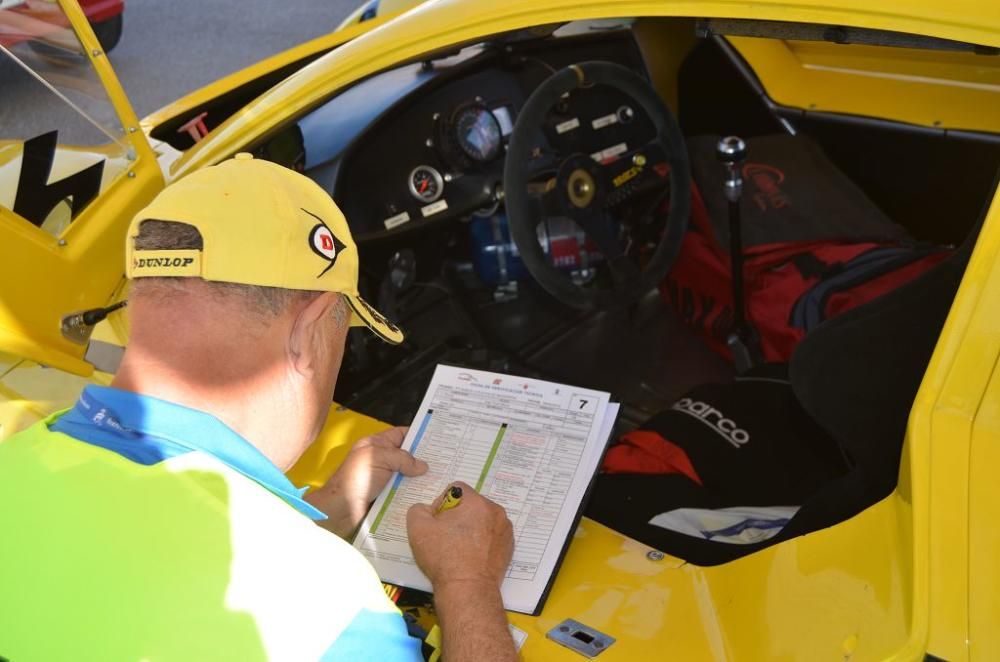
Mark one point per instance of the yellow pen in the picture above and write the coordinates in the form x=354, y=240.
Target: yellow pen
x=452, y=498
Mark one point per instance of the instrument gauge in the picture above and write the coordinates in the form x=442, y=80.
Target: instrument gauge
x=426, y=184
x=478, y=133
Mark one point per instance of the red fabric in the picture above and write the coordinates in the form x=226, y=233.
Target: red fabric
x=645, y=452
x=699, y=285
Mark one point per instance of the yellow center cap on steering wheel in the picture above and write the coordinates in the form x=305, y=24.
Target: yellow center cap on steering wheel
x=581, y=188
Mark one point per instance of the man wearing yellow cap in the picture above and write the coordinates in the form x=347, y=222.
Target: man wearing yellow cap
x=153, y=520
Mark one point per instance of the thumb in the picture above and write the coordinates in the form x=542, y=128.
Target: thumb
x=418, y=512
x=405, y=463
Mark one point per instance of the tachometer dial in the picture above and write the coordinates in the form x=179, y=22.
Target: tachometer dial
x=478, y=133
x=426, y=183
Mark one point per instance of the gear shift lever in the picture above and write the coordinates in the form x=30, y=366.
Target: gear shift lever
x=743, y=341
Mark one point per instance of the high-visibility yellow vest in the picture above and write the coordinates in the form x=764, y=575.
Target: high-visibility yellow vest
x=106, y=555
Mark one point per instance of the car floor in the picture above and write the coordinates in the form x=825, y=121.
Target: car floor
x=642, y=355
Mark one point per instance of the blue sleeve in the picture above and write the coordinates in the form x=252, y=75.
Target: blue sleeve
x=377, y=636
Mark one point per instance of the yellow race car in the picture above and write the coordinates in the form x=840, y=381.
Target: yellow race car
x=479, y=150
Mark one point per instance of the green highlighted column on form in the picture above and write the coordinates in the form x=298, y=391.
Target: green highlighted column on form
x=491, y=456
x=399, y=477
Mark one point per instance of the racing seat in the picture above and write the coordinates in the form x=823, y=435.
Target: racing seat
x=854, y=378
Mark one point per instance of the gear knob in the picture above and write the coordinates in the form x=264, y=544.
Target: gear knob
x=732, y=151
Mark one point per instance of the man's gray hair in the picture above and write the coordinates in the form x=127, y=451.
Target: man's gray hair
x=157, y=235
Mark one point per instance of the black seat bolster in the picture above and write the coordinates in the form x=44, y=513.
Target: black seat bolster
x=857, y=374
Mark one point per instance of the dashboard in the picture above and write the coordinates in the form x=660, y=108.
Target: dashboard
x=425, y=144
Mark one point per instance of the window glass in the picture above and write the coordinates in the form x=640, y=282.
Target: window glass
x=61, y=141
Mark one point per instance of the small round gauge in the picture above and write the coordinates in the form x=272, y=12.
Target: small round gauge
x=426, y=183
x=478, y=133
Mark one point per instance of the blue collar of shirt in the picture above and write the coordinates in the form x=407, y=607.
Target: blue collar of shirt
x=148, y=430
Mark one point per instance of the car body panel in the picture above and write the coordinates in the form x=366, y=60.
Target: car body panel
x=28, y=393
x=935, y=473
x=67, y=160
x=984, y=534
x=890, y=83
x=79, y=268
x=436, y=25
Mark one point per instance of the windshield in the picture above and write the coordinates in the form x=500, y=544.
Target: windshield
x=61, y=141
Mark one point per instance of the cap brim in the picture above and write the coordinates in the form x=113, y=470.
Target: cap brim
x=366, y=315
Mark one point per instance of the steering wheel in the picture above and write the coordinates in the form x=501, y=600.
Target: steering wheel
x=542, y=183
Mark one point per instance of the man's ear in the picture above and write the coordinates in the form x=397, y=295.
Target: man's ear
x=307, y=337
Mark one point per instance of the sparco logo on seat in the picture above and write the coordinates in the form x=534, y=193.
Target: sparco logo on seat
x=144, y=262
x=714, y=419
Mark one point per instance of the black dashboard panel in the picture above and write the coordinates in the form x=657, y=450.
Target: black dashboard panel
x=378, y=185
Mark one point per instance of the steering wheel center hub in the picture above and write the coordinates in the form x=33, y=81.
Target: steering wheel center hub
x=581, y=188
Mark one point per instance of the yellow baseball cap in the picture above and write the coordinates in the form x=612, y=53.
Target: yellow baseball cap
x=261, y=224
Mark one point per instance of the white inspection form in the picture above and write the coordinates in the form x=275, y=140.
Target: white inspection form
x=529, y=445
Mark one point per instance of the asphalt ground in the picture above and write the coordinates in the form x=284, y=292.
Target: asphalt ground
x=167, y=49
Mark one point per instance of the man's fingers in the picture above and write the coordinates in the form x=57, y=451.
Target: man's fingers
x=420, y=509
x=393, y=437
x=438, y=500
x=363, y=442
x=418, y=512
x=401, y=461
x=411, y=466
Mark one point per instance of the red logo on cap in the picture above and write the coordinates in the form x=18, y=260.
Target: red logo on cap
x=322, y=240
x=324, y=243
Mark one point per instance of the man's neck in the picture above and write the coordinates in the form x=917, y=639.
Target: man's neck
x=255, y=408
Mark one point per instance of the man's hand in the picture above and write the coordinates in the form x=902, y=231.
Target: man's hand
x=471, y=543
x=465, y=552
x=371, y=463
